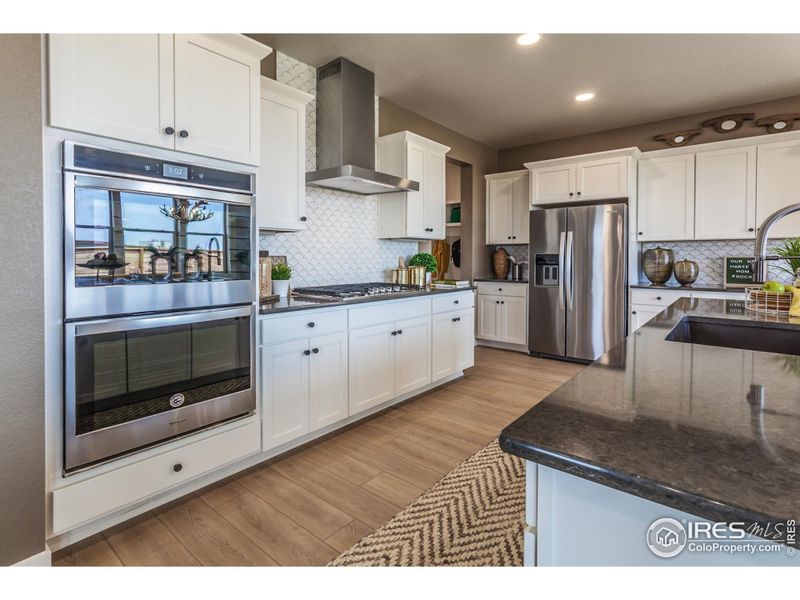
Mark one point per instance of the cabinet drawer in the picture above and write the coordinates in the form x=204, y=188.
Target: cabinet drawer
x=493, y=288
x=657, y=297
x=386, y=312
x=455, y=301
x=300, y=325
x=92, y=498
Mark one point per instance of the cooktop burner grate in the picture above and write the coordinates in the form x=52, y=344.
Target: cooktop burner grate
x=353, y=290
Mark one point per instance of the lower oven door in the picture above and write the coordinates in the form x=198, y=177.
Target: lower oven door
x=138, y=381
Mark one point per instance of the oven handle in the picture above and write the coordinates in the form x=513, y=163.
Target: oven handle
x=150, y=321
x=163, y=189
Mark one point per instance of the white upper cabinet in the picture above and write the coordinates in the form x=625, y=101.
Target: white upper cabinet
x=725, y=194
x=507, y=208
x=412, y=215
x=193, y=93
x=599, y=176
x=117, y=86
x=666, y=198
x=217, y=92
x=778, y=185
x=281, y=189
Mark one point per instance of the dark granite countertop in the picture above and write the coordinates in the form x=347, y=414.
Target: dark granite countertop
x=496, y=280
x=292, y=304
x=696, y=288
x=708, y=430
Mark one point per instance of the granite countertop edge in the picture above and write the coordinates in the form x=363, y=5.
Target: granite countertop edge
x=690, y=288
x=497, y=280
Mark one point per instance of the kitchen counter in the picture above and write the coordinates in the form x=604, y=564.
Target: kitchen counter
x=695, y=288
x=496, y=280
x=292, y=304
x=707, y=430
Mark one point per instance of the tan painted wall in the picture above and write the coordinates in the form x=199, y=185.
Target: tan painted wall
x=22, y=495
x=483, y=159
x=510, y=159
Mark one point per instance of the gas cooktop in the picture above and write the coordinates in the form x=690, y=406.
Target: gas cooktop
x=352, y=291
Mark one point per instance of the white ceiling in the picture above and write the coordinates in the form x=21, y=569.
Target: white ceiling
x=495, y=91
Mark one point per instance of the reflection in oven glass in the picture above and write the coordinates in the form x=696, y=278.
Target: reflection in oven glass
x=124, y=238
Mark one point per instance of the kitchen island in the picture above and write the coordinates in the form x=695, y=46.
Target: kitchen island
x=658, y=428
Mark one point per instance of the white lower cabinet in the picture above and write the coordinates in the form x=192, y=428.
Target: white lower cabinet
x=489, y=325
x=328, y=380
x=412, y=355
x=514, y=318
x=503, y=313
x=452, y=343
x=641, y=314
x=372, y=369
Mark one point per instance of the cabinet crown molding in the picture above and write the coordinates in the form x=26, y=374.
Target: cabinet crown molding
x=410, y=136
x=632, y=151
x=272, y=90
x=507, y=174
x=242, y=43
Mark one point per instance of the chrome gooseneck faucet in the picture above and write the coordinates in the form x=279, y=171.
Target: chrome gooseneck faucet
x=760, y=268
x=212, y=242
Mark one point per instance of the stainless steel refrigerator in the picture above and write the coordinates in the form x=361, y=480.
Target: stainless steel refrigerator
x=578, y=280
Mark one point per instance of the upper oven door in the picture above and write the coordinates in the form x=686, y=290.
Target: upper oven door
x=138, y=246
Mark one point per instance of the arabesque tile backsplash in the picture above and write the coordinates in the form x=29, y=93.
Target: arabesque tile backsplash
x=341, y=242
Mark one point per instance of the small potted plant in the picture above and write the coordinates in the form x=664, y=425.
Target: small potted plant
x=427, y=260
x=281, y=273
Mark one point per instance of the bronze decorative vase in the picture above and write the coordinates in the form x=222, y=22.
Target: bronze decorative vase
x=501, y=263
x=657, y=265
x=686, y=272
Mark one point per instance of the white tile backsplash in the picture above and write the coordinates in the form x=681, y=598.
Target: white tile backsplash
x=341, y=242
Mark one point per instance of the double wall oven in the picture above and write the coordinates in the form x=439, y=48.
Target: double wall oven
x=158, y=301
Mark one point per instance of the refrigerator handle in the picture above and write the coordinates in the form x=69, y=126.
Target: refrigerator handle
x=561, y=247
x=568, y=270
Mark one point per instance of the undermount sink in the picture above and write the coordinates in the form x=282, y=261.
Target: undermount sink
x=744, y=335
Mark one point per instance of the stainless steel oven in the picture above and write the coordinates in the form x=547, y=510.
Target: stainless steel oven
x=144, y=234
x=137, y=381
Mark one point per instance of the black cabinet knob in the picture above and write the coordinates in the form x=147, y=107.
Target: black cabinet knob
x=312, y=324
x=513, y=237
x=658, y=297
x=640, y=233
x=509, y=237
x=183, y=133
x=315, y=350
x=633, y=312
x=399, y=332
x=304, y=219
x=394, y=333
x=177, y=467
x=307, y=352
x=169, y=130
x=579, y=193
x=570, y=194
x=456, y=320
x=497, y=301
x=750, y=229
x=499, y=289
x=455, y=301
x=502, y=302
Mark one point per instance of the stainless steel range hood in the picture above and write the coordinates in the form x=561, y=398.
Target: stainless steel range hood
x=346, y=133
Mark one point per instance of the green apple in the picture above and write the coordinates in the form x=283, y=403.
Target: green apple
x=773, y=286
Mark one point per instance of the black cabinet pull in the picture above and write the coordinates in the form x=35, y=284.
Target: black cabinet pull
x=456, y=320
x=750, y=229
x=315, y=350
x=183, y=133
x=394, y=333
x=311, y=324
x=640, y=233
x=399, y=332
x=169, y=130
x=304, y=219
x=455, y=301
x=658, y=297
x=307, y=352
x=177, y=467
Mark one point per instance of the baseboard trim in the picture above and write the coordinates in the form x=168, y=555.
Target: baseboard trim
x=43, y=559
x=108, y=520
x=502, y=345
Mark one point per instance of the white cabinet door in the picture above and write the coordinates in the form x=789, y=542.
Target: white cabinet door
x=371, y=367
x=412, y=354
x=281, y=191
x=725, y=194
x=550, y=185
x=217, y=108
x=602, y=179
x=489, y=317
x=415, y=201
x=777, y=185
x=434, y=195
x=520, y=213
x=443, y=357
x=641, y=314
x=117, y=86
x=666, y=198
x=499, y=209
x=514, y=320
x=463, y=339
x=284, y=392
x=328, y=380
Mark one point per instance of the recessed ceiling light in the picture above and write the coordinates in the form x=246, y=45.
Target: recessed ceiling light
x=526, y=39
x=586, y=96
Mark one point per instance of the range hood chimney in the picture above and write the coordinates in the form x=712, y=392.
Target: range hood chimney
x=346, y=133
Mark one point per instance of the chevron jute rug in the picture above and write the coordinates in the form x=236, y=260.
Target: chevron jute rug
x=473, y=517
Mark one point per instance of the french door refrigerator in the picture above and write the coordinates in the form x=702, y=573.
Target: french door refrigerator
x=578, y=283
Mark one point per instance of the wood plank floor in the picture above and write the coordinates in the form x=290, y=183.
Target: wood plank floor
x=306, y=508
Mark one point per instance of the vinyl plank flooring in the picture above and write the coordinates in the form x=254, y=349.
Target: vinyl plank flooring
x=276, y=534
x=348, y=535
x=209, y=537
x=222, y=492
x=347, y=467
x=394, y=490
x=94, y=551
x=146, y=542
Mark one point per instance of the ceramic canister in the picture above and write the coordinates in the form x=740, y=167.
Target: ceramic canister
x=686, y=272
x=657, y=265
